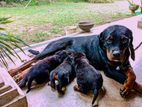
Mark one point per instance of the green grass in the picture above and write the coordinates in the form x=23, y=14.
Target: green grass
x=38, y=23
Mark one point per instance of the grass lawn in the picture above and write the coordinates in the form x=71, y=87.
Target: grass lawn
x=39, y=23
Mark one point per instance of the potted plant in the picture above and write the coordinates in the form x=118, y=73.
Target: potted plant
x=141, y=6
x=132, y=6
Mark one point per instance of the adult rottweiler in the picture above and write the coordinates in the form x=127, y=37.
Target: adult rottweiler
x=109, y=51
x=88, y=78
x=41, y=70
x=64, y=74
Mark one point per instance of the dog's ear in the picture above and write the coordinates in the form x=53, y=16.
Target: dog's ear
x=101, y=39
x=131, y=47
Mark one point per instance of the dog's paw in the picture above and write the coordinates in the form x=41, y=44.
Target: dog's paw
x=124, y=92
x=49, y=83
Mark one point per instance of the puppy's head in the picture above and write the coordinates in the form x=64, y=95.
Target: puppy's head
x=62, y=54
x=77, y=56
x=117, y=41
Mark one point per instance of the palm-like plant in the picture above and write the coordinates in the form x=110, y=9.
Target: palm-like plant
x=7, y=45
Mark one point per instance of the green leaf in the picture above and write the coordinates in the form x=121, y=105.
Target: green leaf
x=5, y=20
x=4, y=62
x=7, y=44
x=8, y=56
x=2, y=28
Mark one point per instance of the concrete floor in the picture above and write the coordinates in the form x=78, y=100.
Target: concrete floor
x=43, y=96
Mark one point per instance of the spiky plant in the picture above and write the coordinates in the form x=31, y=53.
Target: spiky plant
x=7, y=45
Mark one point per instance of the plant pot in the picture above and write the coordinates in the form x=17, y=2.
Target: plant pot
x=85, y=26
x=133, y=8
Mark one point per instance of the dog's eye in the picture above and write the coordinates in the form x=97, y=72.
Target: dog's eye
x=110, y=39
x=124, y=40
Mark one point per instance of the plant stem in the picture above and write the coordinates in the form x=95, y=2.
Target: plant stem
x=141, y=6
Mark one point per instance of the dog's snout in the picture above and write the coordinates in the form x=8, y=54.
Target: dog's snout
x=116, y=53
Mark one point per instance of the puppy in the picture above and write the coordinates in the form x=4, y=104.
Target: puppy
x=88, y=78
x=41, y=70
x=64, y=74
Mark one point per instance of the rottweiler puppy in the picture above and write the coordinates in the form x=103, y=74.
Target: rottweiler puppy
x=41, y=70
x=64, y=74
x=88, y=78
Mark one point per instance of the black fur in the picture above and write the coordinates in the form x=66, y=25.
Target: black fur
x=95, y=50
x=88, y=78
x=65, y=74
x=41, y=70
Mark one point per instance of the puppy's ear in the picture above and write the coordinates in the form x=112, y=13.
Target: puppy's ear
x=131, y=47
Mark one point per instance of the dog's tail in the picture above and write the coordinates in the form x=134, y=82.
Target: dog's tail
x=95, y=92
x=138, y=88
x=34, y=52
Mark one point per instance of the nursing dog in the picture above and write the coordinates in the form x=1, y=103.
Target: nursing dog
x=41, y=70
x=88, y=78
x=64, y=74
x=109, y=51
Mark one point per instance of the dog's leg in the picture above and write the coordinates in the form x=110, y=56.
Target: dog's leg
x=51, y=48
x=29, y=84
x=53, y=77
x=52, y=84
x=120, y=77
x=59, y=88
x=128, y=85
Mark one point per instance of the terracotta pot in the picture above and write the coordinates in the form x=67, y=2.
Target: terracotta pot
x=85, y=25
x=133, y=8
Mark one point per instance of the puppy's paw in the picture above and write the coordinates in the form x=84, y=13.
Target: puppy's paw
x=63, y=89
x=49, y=83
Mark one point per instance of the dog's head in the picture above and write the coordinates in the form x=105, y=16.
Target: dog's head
x=61, y=55
x=77, y=56
x=116, y=41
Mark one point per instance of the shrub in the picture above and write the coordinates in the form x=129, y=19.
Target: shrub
x=100, y=1
x=9, y=1
x=73, y=0
x=7, y=45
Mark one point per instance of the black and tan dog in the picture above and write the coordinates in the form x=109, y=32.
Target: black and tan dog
x=88, y=78
x=109, y=51
x=40, y=71
x=64, y=74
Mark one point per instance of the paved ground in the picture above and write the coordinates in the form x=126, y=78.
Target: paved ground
x=43, y=96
